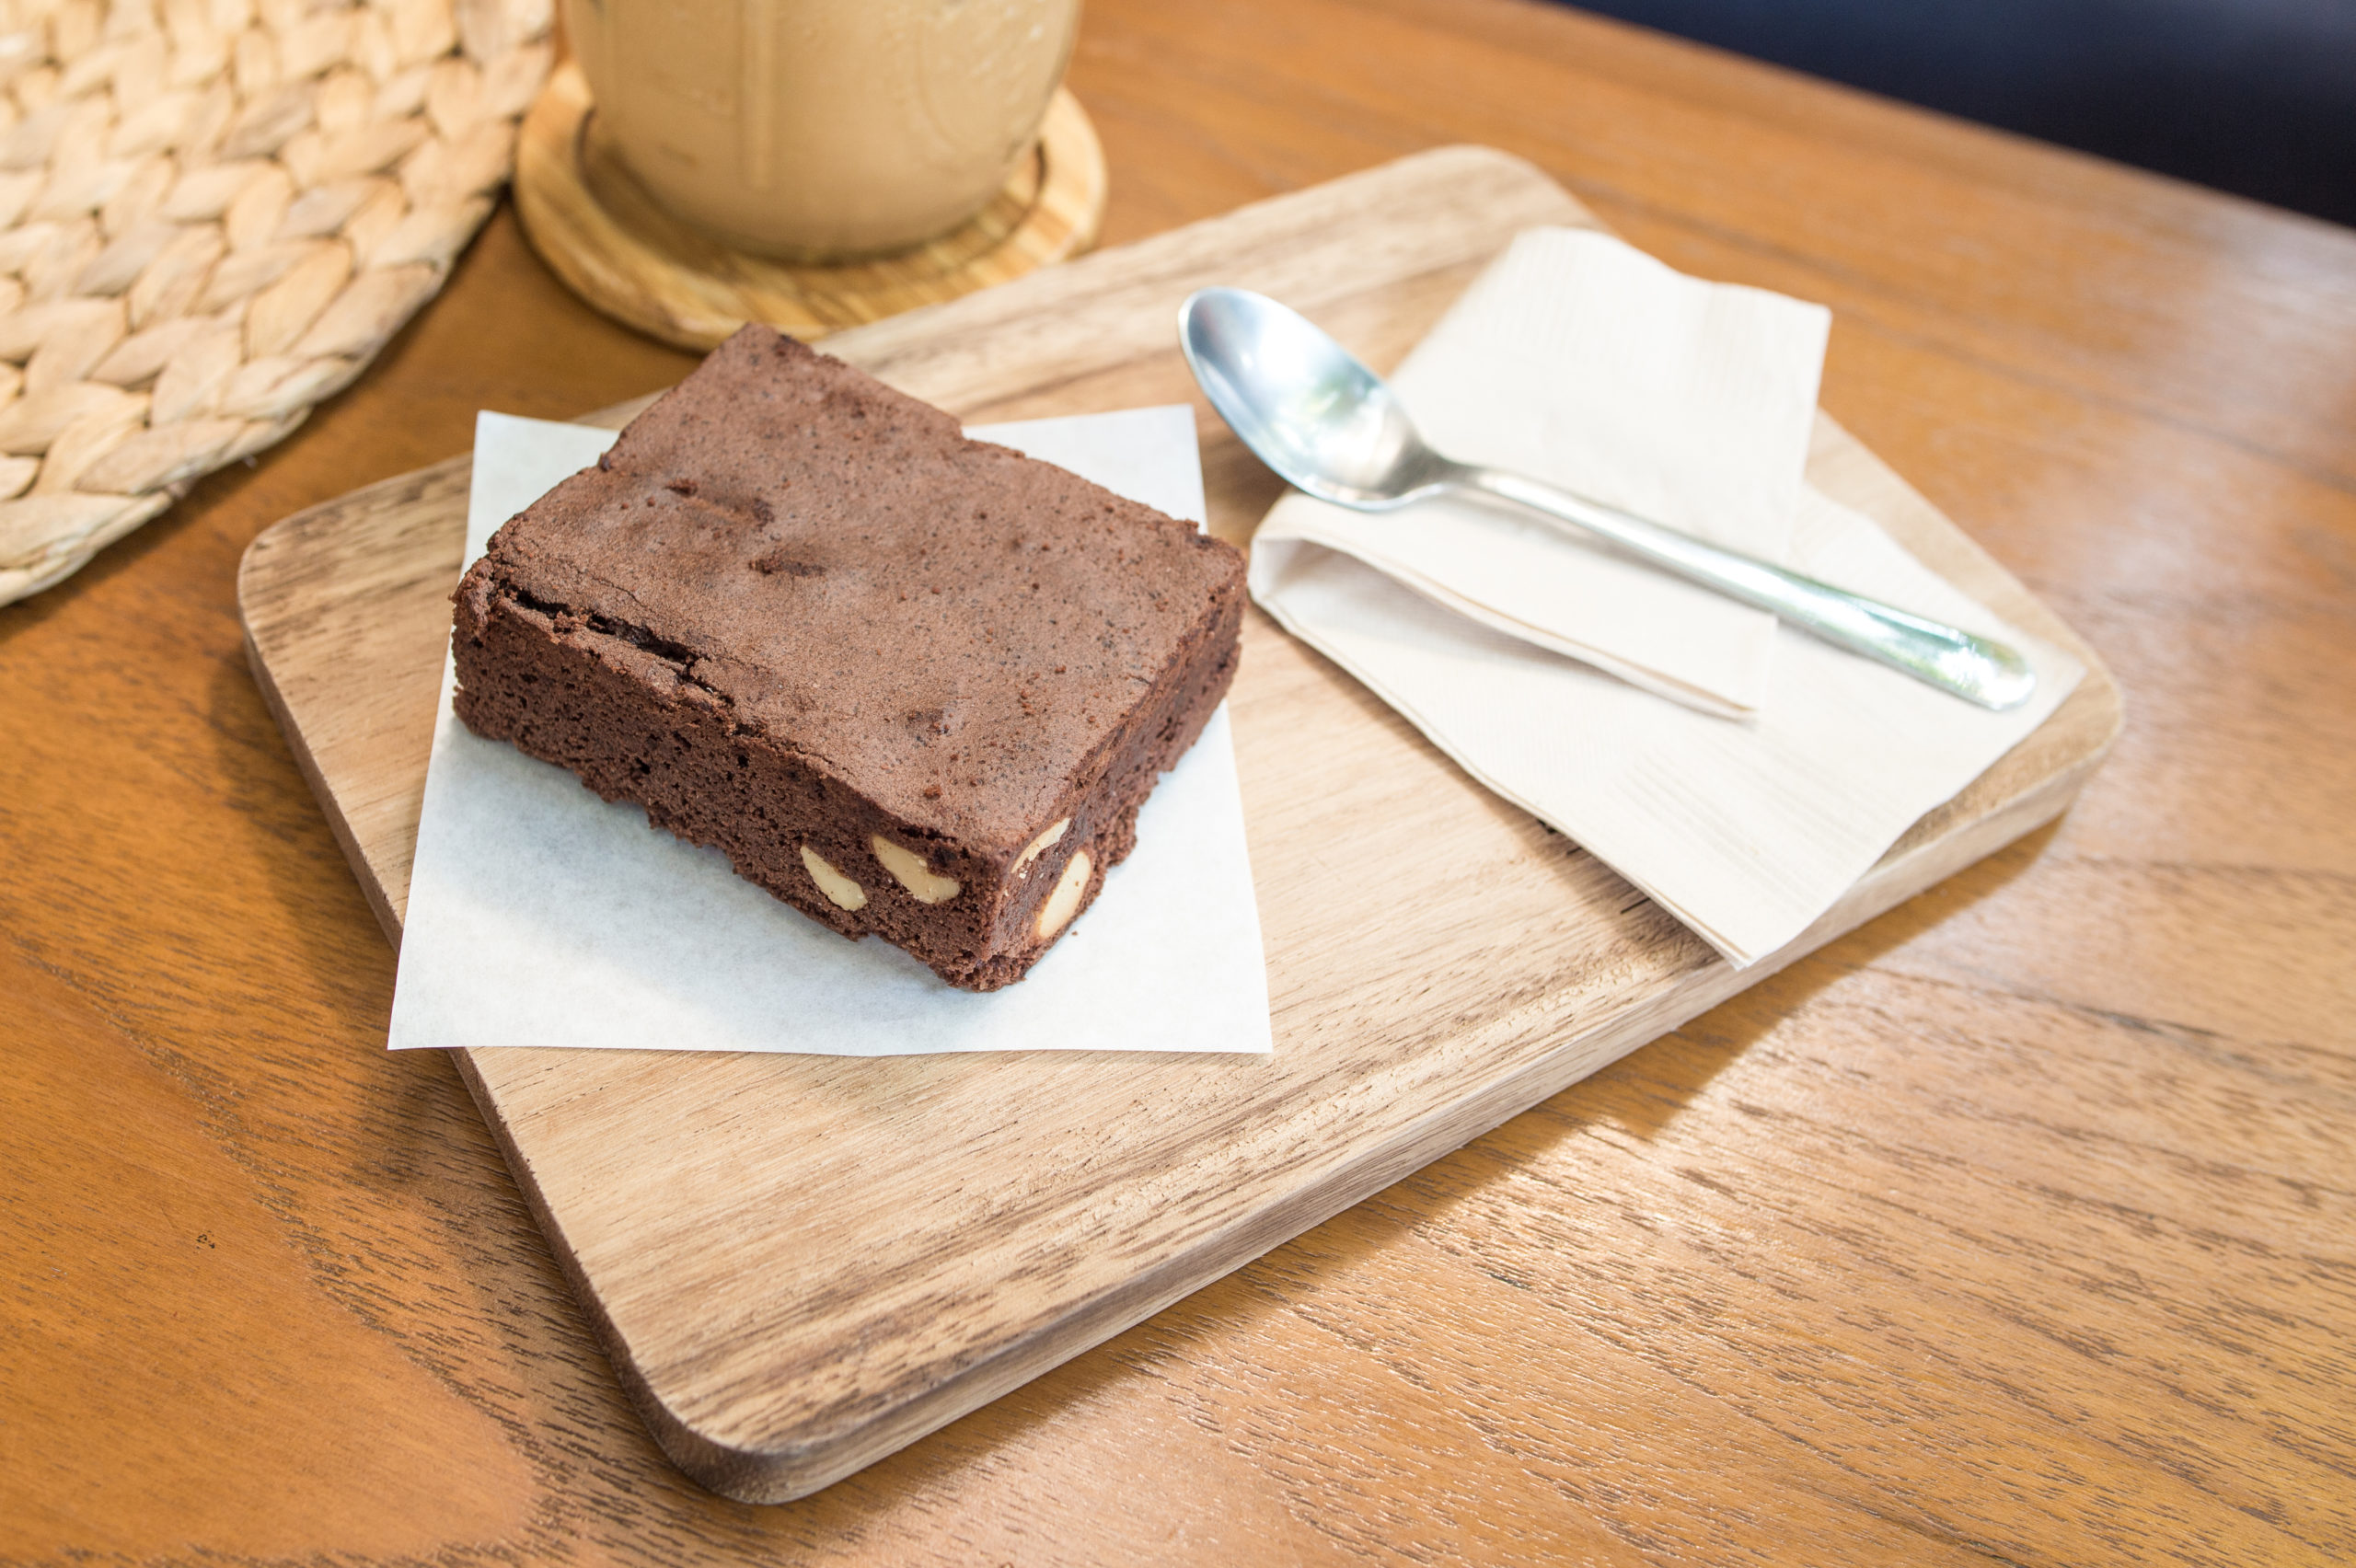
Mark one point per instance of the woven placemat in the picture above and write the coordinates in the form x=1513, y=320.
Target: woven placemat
x=213, y=214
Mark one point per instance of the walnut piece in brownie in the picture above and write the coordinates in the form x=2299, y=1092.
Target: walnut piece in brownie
x=911, y=684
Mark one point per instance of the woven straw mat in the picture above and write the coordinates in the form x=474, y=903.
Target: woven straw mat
x=212, y=214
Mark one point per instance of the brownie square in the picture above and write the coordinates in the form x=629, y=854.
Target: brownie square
x=912, y=685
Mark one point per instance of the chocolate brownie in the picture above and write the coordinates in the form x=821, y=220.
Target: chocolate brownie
x=913, y=685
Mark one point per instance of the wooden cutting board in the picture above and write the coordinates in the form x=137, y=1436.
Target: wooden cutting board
x=799, y=1265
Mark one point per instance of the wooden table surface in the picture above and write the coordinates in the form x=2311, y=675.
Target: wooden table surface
x=2016, y=1225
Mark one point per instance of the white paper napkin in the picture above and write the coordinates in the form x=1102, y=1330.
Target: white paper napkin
x=540, y=915
x=1745, y=830
x=1581, y=361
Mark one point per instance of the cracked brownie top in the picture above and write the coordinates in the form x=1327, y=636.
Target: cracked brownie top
x=949, y=625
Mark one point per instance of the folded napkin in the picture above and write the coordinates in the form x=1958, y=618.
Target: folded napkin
x=1746, y=829
x=1578, y=360
x=540, y=915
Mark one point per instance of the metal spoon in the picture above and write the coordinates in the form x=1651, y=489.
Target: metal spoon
x=1331, y=427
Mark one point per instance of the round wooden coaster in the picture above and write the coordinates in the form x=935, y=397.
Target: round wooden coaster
x=600, y=231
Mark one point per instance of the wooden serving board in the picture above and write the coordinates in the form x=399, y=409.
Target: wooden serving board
x=799, y=1265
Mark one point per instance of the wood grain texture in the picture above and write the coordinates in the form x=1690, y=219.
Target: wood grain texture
x=798, y=1265
x=600, y=231
x=2014, y=1225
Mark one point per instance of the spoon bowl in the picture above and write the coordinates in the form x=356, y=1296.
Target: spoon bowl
x=1304, y=405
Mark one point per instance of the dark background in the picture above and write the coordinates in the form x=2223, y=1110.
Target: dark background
x=2253, y=96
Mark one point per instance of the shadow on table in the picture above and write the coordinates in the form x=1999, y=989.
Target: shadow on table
x=1642, y=1094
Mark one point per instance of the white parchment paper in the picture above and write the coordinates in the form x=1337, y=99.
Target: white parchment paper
x=540, y=915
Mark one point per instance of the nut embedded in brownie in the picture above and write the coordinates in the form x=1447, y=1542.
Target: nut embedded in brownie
x=911, y=684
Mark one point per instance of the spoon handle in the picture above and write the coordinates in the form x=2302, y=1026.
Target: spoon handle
x=1975, y=668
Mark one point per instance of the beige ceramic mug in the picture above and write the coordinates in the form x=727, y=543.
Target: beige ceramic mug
x=821, y=128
